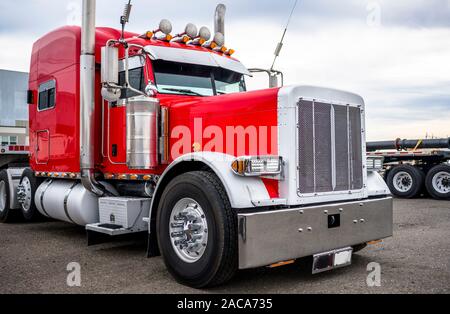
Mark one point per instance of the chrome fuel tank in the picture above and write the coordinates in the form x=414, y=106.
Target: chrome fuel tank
x=68, y=201
x=142, y=132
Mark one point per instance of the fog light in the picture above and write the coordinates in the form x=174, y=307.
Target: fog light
x=257, y=166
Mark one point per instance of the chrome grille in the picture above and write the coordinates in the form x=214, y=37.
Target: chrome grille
x=330, y=148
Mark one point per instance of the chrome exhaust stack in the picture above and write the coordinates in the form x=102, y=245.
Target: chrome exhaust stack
x=87, y=100
x=219, y=19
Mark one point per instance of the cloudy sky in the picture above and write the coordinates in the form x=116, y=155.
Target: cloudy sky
x=396, y=54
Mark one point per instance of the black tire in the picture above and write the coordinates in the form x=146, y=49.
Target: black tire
x=434, y=191
x=31, y=214
x=6, y=214
x=219, y=262
x=415, y=182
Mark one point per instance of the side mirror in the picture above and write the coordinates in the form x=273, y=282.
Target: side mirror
x=273, y=80
x=110, y=66
x=110, y=74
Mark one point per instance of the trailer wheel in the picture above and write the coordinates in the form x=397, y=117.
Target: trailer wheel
x=197, y=231
x=438, y=182
x=405, y=181
x=27, y=189
x=5, y=210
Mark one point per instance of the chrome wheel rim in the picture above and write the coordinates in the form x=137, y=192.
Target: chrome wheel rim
x=188, y=230
x=2, y=196
x=441, y=182
x=403, y=181
x=24, y=194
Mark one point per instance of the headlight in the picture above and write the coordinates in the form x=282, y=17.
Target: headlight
x=375, y=163
x=253, y=166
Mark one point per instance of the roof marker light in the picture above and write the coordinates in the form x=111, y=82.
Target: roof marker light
x=217, y=42
x=190, y=32
x=165, y=27
x=219, y=39
x=204, y=35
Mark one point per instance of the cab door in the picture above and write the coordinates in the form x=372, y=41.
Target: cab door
x=46, y=102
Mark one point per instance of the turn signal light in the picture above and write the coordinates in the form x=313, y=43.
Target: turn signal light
x=257, y=166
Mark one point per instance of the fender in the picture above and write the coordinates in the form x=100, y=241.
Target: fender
x=243, y=192
x=376, y=185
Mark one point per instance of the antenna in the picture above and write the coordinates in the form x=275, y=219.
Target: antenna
x=280, y=44
x=125, y=18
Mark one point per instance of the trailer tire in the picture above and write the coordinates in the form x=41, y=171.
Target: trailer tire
x=405, y=181
x=198, y=199
x=438, y=182
x=6, y=214
x=31, y=184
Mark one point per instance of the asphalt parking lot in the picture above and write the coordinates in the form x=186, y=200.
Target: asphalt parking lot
x=34, y=258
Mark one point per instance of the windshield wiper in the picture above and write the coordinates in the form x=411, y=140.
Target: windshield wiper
x=183, y=91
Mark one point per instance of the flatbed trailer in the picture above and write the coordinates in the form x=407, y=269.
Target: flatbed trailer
x=415, y=167
x=13, y=154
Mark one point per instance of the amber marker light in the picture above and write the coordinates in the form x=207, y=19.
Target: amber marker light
x=109, y=176
x=149, y=35
x=282, y=264
x=230, y=52
x=147, y=177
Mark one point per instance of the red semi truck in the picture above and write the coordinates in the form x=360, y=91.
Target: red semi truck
x=156, y=133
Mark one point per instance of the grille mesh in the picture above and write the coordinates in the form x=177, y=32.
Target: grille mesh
x=330, y=148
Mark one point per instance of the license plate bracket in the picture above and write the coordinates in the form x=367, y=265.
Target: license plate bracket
x=331, y=260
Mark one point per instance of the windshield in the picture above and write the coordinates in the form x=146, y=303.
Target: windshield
x=196, y=80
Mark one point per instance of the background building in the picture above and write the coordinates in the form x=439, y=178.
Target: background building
x=13, y=108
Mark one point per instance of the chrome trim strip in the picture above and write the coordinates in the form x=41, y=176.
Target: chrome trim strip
x=66, y=198
x=333, y=147
x=48, y=183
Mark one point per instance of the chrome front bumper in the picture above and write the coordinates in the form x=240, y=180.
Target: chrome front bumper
x=270, y=237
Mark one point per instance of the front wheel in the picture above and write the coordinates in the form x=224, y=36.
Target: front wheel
x=438, y=182
x=197, y=230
